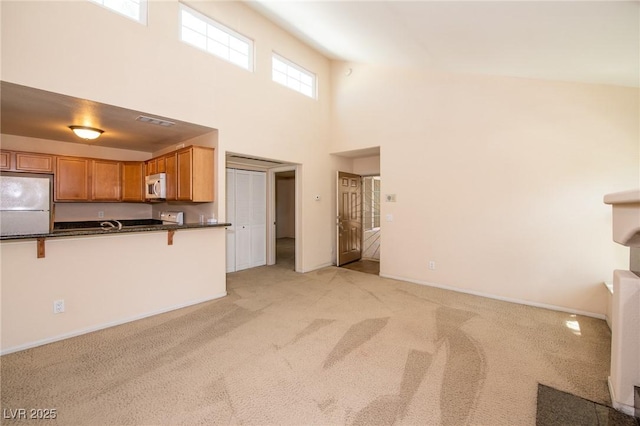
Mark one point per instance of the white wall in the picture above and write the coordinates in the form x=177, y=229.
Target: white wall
x=146, y=68
x=79, y=49
x=498, y=180
x=367, y=166
x=104, y=280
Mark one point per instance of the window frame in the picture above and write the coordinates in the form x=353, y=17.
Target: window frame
x=221, y=27
x=290, y=64
x=144, y=8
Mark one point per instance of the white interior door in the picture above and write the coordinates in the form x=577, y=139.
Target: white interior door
x=249, y=230
x=258, y=219
x=231, y=218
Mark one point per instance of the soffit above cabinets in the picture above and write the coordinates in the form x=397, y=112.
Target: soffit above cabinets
x=26, y=111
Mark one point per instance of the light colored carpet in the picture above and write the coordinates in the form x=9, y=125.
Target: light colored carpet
x=330, y=347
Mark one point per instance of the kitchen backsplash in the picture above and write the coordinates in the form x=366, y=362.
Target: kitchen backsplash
x=65, y=212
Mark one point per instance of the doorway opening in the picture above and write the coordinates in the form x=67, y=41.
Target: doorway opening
x=369, y=211
x=258, y=177
x=285, y=219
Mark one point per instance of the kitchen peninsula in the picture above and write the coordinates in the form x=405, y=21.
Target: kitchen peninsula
x=106, y=278
x=88, y=279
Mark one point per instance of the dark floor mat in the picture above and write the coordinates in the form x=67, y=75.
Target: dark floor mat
x=561, y=408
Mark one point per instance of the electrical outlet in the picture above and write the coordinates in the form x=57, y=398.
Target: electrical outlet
x=101, y=214
x=432, y=265
x=58, y=306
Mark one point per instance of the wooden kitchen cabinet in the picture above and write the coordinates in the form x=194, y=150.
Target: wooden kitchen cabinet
x=133, y=174
x=72, y=179
x=171, y=169
x=5, y=160
x=195, y=174
x=106, y=180
x=27, y=162
x=36, y=163
x=155, y=165
x=151, y=167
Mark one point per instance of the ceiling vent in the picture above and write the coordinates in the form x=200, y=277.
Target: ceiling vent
x=152, y=120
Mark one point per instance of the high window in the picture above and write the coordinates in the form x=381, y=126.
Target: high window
x=132, y=9
x=203, y=32
x=293, y=76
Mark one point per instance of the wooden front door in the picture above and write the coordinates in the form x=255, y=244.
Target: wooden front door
x=349, y=218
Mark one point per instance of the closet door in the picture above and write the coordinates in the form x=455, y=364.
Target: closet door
x=247, y=211
x=231, y=213
x=244, y=216
x=258, y=219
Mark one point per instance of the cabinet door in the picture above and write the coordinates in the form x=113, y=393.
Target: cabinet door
x=195, y=174
x=133, y=181
x=37, y=163
x=202, y=174
x=151, y=167
x=184, y=174
x=171, y=169
x=105, y=180
x=161, y=165
x=72, y=179
x=5, y=160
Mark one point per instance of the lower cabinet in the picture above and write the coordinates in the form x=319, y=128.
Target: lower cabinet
x=247, y=212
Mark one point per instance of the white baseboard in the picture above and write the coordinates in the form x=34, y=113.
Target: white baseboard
x=503, y=299
x=105, y=325
x=627, y=409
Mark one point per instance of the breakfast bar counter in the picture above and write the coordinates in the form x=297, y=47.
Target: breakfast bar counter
x=103, y=278
x=83, y=231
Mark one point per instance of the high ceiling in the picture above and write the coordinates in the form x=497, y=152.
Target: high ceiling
x=570, y=40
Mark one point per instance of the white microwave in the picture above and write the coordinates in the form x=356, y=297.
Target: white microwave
x=156, y=187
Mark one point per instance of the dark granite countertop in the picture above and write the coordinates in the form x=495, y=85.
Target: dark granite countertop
x=89, y=228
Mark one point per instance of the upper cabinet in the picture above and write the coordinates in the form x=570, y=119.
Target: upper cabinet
x=105, y=180
x=5, y=160
x=171, y=169
x=26, y=162
x=195, y=174
x=72, y=179
x=133, y=181
x=85, y=179
x=189, y=175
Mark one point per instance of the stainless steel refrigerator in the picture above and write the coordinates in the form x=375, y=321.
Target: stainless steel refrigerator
x=25, y=204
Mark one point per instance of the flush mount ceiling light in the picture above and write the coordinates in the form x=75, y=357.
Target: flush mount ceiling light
x=85, y=132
